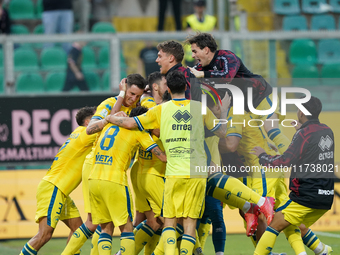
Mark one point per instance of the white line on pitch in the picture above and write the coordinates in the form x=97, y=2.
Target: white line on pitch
x=327, y=234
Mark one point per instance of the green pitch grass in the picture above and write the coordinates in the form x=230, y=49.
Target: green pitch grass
x=235, y=245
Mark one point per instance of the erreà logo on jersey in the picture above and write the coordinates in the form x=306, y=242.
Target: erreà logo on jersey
x=182, y=116
x=325, y=143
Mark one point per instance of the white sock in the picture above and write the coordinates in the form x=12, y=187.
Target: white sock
x=246, y=208
x=261, y=201
x=320, y=248
x=220, y=253
x=303, y=253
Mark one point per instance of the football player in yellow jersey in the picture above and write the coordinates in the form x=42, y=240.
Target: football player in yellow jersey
x=149, y=186
x=157, y=86
x=131, y=90
x=182, y=134
x=64, y=175
x=110, y=198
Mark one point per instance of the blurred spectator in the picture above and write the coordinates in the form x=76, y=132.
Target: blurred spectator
x=176, y=9
x=199, y=21
x=74, y=74
x=147, y=57
x=58, y=17
x=5, y=22
x=81, y=10
x=104, y=10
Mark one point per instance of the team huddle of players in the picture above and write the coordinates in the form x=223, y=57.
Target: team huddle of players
x=169, y=137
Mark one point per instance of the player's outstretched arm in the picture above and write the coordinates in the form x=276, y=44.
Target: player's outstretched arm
x=125, y=122
x=159, y=154
x=95, y=126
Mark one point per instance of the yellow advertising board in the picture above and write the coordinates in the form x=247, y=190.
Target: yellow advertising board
x=18, y=197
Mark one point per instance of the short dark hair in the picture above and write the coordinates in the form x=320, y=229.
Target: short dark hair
x=176, y=82
x=154, y=77
x=172, y=48
x=166, y=97
x=136, y=79
x=203, y=40
x=314, y=106
x=138, y=111
x=84, y=113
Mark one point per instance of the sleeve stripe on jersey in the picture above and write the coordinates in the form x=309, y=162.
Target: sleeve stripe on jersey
x=140, y=127
x=96, y=118
x=235, y=134
x=151, y=147
x=216, y=127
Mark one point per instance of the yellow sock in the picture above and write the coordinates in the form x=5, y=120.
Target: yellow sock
x=187, y=245
x=281, y=141
x=105, y=244
x=77, y=240
x=159, y=250
x=267, y=241
x=139, y=227
x=293, y=234
x=313, y=242
x=230, y=185
x=203, y=233
x=169, y=240
x=142, y=237
x=151, y=245
x=197, y=247
x=127, y=243
x=28, y=250
x=94, y=242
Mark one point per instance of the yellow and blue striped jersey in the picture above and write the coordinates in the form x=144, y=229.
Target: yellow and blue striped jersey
x=149, y=163
x=251, y=136
x=148, y=102
x=114, y=150
x=66, y=169
x=102, y=111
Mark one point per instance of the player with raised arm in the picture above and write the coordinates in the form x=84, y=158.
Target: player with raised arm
x=64, y=175
x=226, y=65
x=312, y=191
x=131, y=90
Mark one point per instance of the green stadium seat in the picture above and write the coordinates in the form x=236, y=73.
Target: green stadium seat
x=39, y=29
x=329, y=51
x=53, y=58
x=286, y=7
x=335, y=4
x=19, y=30
x=2, y=83
x=21, y=9
x=330, y=75
x=305, y=75
x=93, y=81
x=302, y=51
x=314, y=6
x=323, y=22
x=30, y=83
x=103, y=27
x=294, y=23
x=55, y=82
x=25, y=59
x=89, y=58
x=38, y=9
x=104, y=57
